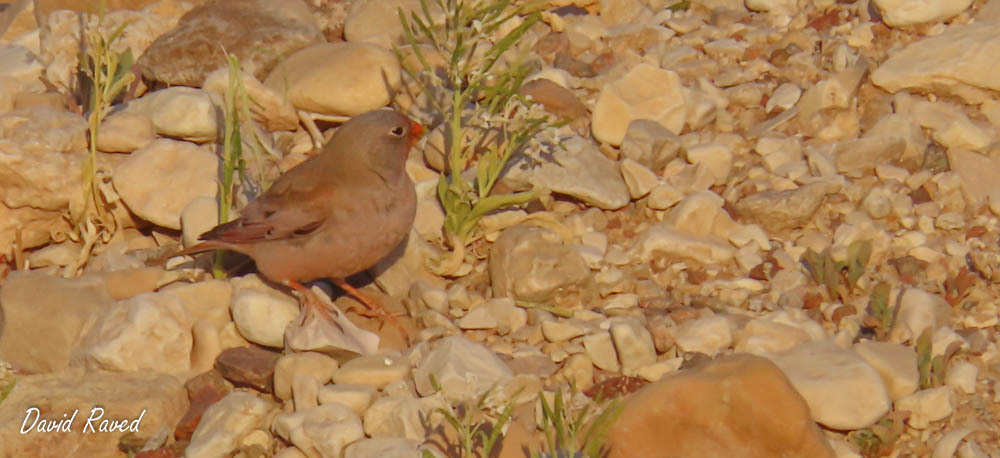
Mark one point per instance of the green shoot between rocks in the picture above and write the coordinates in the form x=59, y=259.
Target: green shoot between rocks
x=477, y=99
x=107, y=74
x=232, y=153
x=576, y=435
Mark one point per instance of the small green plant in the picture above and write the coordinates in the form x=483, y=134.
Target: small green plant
x=877, y=440
x=477, y=431
x=232, y=152
x=5, y=391
x=568, y=435
x=477, y=98
x=932, y=369
x=878, y=307
x=839, y=277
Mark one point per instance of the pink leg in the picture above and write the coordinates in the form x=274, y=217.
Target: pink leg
x=372, y=305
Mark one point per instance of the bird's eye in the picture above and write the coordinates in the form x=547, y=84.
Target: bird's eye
x=397, y=131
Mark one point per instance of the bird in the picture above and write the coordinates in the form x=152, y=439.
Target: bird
x=335, y=214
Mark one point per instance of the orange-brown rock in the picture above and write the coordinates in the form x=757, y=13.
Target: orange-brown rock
x=738, y=406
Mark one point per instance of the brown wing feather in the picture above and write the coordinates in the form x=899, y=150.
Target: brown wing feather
x=290, y=208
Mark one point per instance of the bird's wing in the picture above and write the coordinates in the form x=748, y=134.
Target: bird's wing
x=292, y=207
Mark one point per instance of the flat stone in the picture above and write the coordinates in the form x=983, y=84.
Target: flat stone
x=262, y=313
x=639, y=179
x=463, y=369
x=735, y=406
x=403, y=416
x=928, y=406
x=776, y=211
x=650, y=144
x=158, y=181
x=898, y=13
x=251, y=367
x=918, y=311
x=357, y=397
x=634, y=345
x=842, y=390
x=530, y=263
x=602, y=351
x=203, y=390
x=365, y=74
x=383, y=447
x=376, y=371
x=709, y=335
x=317, y=365
x=320, y=431
x=377, y=21
x=44, y=317
x=978, y=175
x=577, y=169
x=563, y=330
x=258, y=32
x=180, y=112
x=645, y=92
x=226, y=422
x=124, y=132
x=896, y=363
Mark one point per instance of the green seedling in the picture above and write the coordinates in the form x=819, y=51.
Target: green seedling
x=232, y=152
x=5, y=391
x=477, y=430
x=878, y=439
x=839, y=277
x=878, y=307
x=576, y=435
x=486, y=120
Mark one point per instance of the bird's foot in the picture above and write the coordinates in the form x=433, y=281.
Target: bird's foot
x=374, y=309
x=311, y=304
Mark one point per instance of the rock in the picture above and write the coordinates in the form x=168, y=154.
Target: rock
x=958, y=62
x=961, y=376
x=897, y=364
x=226, y=422
x=150, y=331
x=773, y=333
x=198, y=217
x=645, y=92
x=508, y=316
x=577, y=169
x=464, y=370
x=927, y=406
x=387, y=447
x=20, y=63
x=663, y=196
x=203, y=390
x=897, y=13
x=602, y=351
x=377, y=21
x=365, y=74
x=407, y=264
x=877, y=204
x=894, y=139
x=918, y=311
x=718, y=159
x=639, y=179
x=252, y=367
x=530, y=263
x=735, y=406
x=842, y=390
x=563, y=330
x=158, y=181
x=696, y=228
x=316, y=365
x=650, y=144
x=478, y=318
x=19, y=19
x=259, y=32
x=776, y=211
x=709, y=335
x=783, y=97
x=320, y=431
x=155, y=399
x=124, y=132
x=376, y=371
x=43, y=317
x=773, y=6
x=357, y=397
x=403, y=416
x=701, y=214
x=634, y=345
x=180, y=112
x=262, y=313
x=556, y=99
x=978, y=175
x=44, y=150
x=577, y=370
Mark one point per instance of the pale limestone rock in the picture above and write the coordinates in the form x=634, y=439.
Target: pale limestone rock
x=784, y=97
x=773, y=333
x=404, y=416
x=531, y=263
x=373, y=370
x=709, y=335
x=650, y=144
x=477, y=318
x=226, y=422
x=385, y=447
x=948, y=444
x=877, y=204
x=663, y=196
x=19, y=63
x=377, y=21
x=357, y=397
x=158, y=181
x=734, y=406
x=269, y=107
x=773, y=6
x=580, y=170
x=602, y=351
x=661, y=238
x=842, y=390
x=918, y=311
x=656, y=371
x=717, y=158
x=950, y=126
x=958, y=62
x=564, y=329
x=124, y=132
x=776, y=211
x=616, y=13
x=366, y=76
x=320, y=431
x=198, y=217
x=979, y=175
x=927, y=406
x=44, y=317
x=508, y=315
x=121, y=395
x=181, y=112
x=896, y=363
x=634, y=345
x=897, y=13
x=463, y=368
x=316, y=365
x=639, y=179
x=151, y=331
x=261, y=313
x=962, y=377
x=645, y=92
x=577, y=370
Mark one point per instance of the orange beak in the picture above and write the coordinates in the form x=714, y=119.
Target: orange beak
x=416, y=131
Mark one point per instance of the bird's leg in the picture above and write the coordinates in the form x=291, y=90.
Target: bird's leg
x=310, y=302
x=372, y=305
